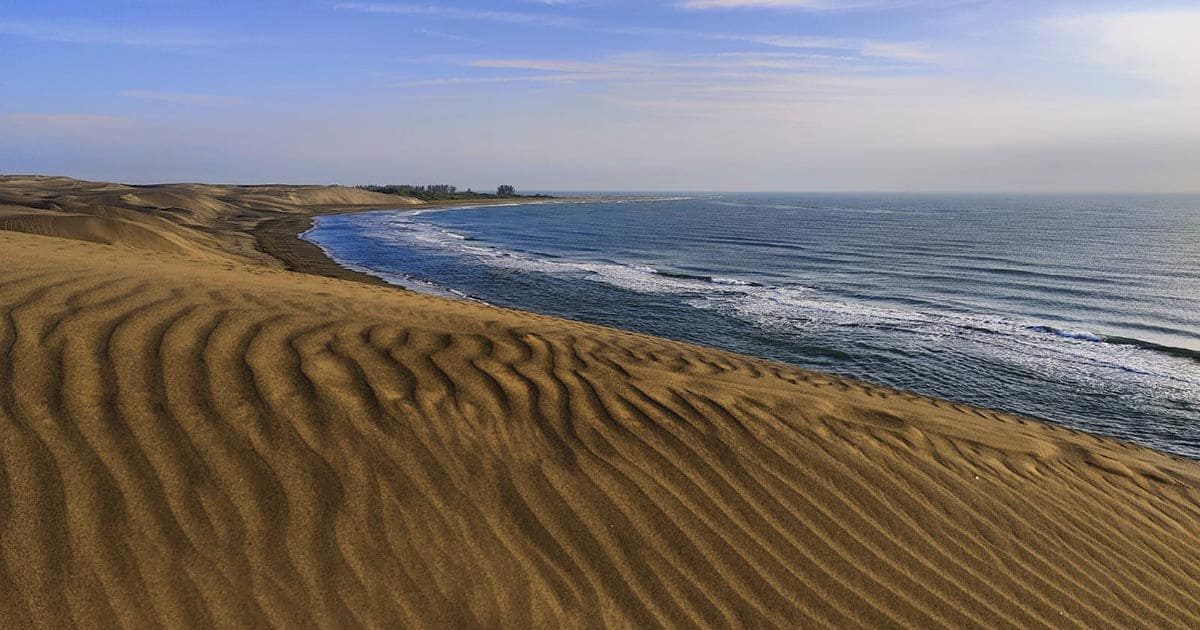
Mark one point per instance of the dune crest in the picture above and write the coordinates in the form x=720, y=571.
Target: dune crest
x=208, y=220
x=190, y=443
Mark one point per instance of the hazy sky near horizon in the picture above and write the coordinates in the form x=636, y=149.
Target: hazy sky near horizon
x=1053, y=95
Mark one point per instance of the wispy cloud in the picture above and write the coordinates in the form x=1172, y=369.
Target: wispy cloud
x=913, y=52
x=758, y=4
x=901, y=51
x=778, y=76
x=817, y=5
x=75, y=33
x=449, y=36
x=536, y=78
x=183, y=98
x=550, y=65
x=64, y=119
x=454, y=13
x=1159, y=46
x=733, y=93
x=916, y=52
x=908, y=52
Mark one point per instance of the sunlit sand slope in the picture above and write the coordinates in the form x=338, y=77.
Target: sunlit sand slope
x=185, y=442
x=201, y=220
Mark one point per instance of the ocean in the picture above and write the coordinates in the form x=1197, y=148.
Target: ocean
x=1079, y=310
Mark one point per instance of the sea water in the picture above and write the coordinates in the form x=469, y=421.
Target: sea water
x=1084, y=311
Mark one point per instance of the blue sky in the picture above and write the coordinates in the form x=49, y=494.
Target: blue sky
x=608, y=94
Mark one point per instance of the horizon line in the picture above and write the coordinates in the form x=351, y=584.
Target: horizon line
x=636, y=190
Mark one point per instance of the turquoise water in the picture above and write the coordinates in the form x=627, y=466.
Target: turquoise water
x=1083, y=311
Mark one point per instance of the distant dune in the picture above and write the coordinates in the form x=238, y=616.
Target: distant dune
x=197, y=219
x=191, y=435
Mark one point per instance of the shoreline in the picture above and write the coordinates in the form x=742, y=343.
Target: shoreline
x=192, y=432
x=280, y=238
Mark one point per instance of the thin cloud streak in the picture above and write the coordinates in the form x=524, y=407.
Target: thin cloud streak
x=899, y=50
x=683, y=74
x=818, y=5
x=912, y=52
x=67, y=33
x=182, y=98
x=63, y=119
x=603, y=96
x=503, y=17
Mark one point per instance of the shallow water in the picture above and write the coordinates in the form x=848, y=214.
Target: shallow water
x=1079, y=310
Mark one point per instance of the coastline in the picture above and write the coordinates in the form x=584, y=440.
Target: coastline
x=189, y=428
x=280, y=237
x=465, y=237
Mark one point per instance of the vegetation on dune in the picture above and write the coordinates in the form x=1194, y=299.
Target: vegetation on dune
x=446, y=192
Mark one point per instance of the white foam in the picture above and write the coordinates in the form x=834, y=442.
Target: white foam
x=1066, y=354
x=1082, y=335
x=732, y=282
x=640, y=278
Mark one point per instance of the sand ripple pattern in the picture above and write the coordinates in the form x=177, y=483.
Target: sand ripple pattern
x=185, y=445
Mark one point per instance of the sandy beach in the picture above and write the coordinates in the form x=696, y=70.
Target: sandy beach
x=205, y=422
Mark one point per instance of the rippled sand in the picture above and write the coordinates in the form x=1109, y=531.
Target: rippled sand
x=189, y=436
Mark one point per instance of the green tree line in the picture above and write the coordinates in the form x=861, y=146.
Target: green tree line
x=442, y=192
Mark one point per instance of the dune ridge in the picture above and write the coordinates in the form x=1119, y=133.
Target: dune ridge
x=192, y=438
x=215, y=221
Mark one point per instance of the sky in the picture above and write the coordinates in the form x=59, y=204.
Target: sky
x=682, y=95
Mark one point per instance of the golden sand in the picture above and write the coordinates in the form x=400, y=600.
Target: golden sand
x=191, y=435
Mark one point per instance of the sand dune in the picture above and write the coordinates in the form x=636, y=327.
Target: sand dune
x=193, y=438
x=196, y=219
